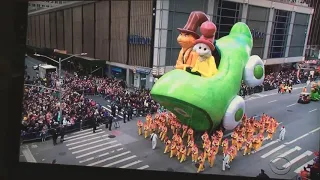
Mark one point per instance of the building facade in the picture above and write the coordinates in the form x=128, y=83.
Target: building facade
x=37, y=5
x=313, y=47
x=137, y=39
x=279, y=28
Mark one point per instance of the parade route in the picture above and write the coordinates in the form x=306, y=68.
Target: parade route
x=125, y=149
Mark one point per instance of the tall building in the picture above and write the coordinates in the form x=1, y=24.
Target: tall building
x=138, y=39
x=313, y=48
x=37, y=5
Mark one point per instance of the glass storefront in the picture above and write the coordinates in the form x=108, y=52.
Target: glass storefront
x=118, y=72
x=299, y=33
x=279, y=33
x=257, y=20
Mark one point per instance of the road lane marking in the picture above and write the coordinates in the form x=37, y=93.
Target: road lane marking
x=93, y=134
x=101, y=155
x=143, y=167
x=260, y=95
x=273, y=151
x=290, y=142
x=299, y=169
x=297, y=148
x=307, y=153
x=106, y=135
x=99, y=150
x=313, y=110
x=110, y=111
x=85, y=133
x=120, y=161
x=75, y=147
x=131, y=164
x=82, y=131
x=272, y=101
x=292, y=104
x=92, y=147
x=267, y=145
x=28, y=155
x=109, y=158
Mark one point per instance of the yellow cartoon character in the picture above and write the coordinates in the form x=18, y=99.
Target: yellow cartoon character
x=205, y=65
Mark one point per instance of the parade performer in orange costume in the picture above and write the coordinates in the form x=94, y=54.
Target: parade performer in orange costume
x=190, y=134
x=187, y=57
x=255, y=143
x=140, y=125
x=160, y=128
x=219, y=136
x=183, y=152
x=247, y=147
x=256, y=126
x=225, y=146
x=250, y=132
x=267, y=122
x=204, y=137
x=270, y=133
x=201, y=161
x=173, y=126
x=175, y=137
x=240, y=141
x=262, y=128
x=190, y=146
x=195, y=153
x=261, y=137
x=233, y=152
x=234, y=137
x=164, y=133
x=173, y=149
x=168, y=145
x=215, y=146
x=184, y=130
x=211, y=158
x=207, y=149
x=178, y=154
x=146, y=130
x=178, y=128
x=179, y=140
x=153, y=127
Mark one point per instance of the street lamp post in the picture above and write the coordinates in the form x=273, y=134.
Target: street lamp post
x=60, y=77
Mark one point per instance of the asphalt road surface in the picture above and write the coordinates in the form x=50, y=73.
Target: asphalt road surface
x=128, y=150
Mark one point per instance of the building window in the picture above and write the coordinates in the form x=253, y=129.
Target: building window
x=228, y=13
x=38, y=5
x=257, y=20
x=279, y=34
x=298, y=35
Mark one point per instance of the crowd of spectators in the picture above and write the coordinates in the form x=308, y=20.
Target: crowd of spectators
x=273, y=81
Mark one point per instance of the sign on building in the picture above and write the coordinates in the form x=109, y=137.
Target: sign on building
x=136, y=39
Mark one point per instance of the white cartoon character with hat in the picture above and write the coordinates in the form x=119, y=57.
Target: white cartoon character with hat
x=205, y=64
x=186, y=39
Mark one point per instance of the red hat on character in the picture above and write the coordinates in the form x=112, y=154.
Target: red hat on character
x=208, y=30
x=196, y=18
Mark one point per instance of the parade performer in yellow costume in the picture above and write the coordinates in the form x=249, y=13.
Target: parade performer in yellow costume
x=184, y=130
x=270, y=133
x=201, y=161
x=178, y=128
x=173, y=149
x=207, y=149
x=255, y=143
x=195, y=152
x=140, y=125
x=205, y=64
x=219, y=136
x=183, y=152
x=164, y=133
x=234, y=139
x=211, y=158
x=190, y=146
x=240, y=142
x=190, y=134
x=178, y=154
x=248, y=147
x=225, y=146
x=167, y=147
x=146, y=130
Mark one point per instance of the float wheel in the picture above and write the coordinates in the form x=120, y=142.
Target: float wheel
x=234, y=113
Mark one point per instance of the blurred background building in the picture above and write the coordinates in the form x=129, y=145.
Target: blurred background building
x=37, y=5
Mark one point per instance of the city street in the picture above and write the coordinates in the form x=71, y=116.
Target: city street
x=125, y=149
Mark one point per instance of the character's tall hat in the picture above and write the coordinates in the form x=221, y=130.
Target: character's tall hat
x=196, y=18
x=208, y=30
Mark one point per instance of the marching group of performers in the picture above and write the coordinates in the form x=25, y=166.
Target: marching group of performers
x=248, y=136
x=284, y=87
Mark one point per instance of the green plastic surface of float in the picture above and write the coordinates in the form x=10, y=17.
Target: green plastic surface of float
x=202, y=102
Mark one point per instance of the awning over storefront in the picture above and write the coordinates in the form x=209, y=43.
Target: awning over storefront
x=142, y=70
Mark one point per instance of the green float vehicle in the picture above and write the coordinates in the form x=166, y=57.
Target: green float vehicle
x=206, y=104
